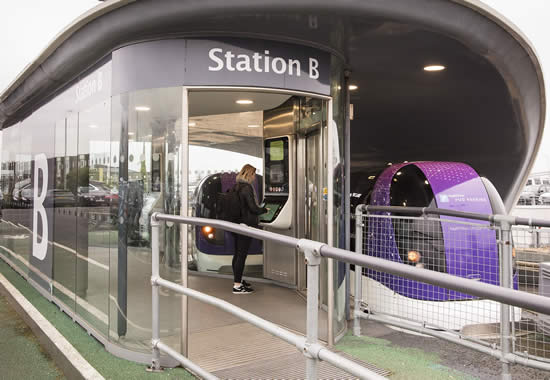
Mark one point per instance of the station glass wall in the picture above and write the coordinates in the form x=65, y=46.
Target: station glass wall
x=55, y=189
x=97, y=165
x=146, y=144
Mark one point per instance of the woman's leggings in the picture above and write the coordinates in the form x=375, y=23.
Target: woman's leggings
x=242, y=243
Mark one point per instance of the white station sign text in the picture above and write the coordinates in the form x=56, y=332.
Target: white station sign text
x=260, y=63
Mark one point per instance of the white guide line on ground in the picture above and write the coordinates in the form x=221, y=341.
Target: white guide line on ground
x=91, y=261
x=163, y=292
x=80, y=301
x=62, y=344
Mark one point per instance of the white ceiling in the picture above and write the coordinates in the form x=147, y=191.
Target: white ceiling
x=217, y=121
x=224, y=102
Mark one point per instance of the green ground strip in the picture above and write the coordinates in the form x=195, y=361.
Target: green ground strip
x=107, y=364
x=404, y=363
x=19, y=347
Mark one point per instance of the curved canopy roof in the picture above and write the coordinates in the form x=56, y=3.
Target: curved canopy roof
x=487, y=109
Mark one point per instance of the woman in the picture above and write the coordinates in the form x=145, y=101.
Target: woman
x=250, y=210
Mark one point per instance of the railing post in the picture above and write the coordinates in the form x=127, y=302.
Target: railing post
x=358, y=271
x=155, y=226
x=312, y=254
x=505, y=282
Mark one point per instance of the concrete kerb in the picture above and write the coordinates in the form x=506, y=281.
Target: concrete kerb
x=73, y=365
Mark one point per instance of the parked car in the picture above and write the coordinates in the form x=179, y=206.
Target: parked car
x=528, y=197
x=543, y=189
x=544, y=198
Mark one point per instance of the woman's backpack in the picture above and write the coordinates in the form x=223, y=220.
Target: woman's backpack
x=228, y=205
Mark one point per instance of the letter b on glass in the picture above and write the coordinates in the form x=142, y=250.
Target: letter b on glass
x=39, y=249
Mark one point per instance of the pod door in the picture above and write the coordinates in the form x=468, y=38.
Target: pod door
x=315, y=203
x=313, y=168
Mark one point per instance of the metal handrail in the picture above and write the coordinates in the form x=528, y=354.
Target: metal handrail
x=230, y=227
x=309, y=345
x=420, y=211
x=509, y=296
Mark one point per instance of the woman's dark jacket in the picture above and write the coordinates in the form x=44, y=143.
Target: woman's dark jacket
x=249, y=209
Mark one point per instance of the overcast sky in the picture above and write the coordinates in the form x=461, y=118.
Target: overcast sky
x=27, y=26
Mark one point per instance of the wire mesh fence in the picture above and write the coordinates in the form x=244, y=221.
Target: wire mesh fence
x=532, y=265
x=465, y=248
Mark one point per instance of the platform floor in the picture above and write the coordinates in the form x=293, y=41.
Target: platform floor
x=219, y=341
x=280, y=305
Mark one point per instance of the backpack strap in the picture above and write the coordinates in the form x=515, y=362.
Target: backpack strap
x=237, y=189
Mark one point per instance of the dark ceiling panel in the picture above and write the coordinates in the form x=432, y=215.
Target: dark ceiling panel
x=463, y=113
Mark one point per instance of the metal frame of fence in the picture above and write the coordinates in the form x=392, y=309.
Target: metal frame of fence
x=309, y=346
x=313, y=252
x=506, y=352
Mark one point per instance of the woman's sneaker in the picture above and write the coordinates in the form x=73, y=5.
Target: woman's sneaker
x=246, y=284
x=242, y=290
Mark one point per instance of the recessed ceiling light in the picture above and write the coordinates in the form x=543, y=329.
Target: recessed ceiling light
x=192, y=124
x=143, y=108
x=93, y=126
x=130, y=133
x=244, y=101
x=434, y=68
x=353, y=87
x=372, y=177
x=390, y=164
x=253, y=126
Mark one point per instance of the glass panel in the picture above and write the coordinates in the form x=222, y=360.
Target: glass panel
x=15, y=239
x=63, y=197
x=23, y=193
x=312, y=184
x=145, y=151
x=337, y=122
x=95, y=225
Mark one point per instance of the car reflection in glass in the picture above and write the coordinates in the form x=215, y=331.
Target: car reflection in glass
x=59, y=198
x=95, y=194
